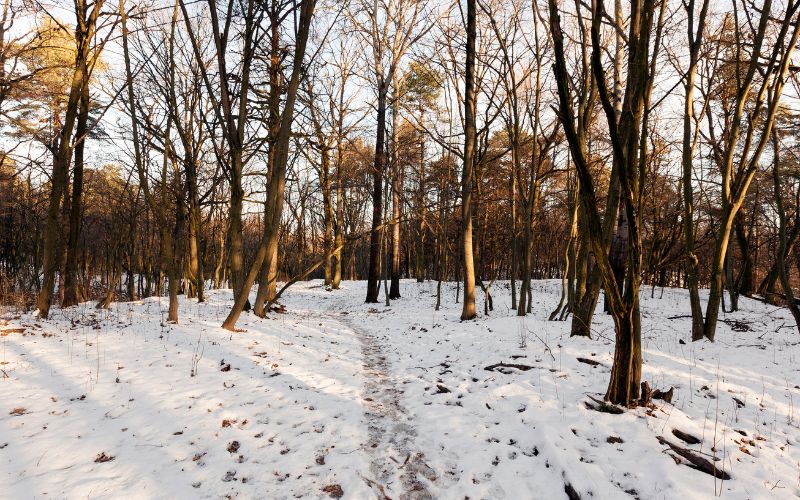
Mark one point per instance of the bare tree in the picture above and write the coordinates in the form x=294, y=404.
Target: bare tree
x=63, y=143
x=468, y=263
x=628, y=137
x=277, y=182
x=389, y=28
x=748, y=118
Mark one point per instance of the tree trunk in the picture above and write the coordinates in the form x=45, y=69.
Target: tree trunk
x=374, y=274
x=394, y=290
x=235, y=240
x=195, y=234
x=338, y=227
x=718, y=272
x=327, y=206
x=468, y=264
x=692, y=268
x=626, y=371
x=72, y=291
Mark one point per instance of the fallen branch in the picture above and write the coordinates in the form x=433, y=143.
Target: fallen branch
x=685, y=437
x=695, y=461
x=301, y=276
x=590, y=362
x=603, y=407
x=499, y=366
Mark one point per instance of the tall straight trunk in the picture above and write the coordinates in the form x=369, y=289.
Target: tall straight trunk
x=195, y=234
x=373, y=276
x=267, y=276
x=328, y=221
x=522, y=307
x=420, y=268
x=235, y=227
x=514, y=243
x=525, y=297
x=695, y=37
x=419, y=253
x=573, y=256
x=132, y=258
x=171, y=259
x=468, y=264
x=442, y=240
x=72, y=291
x=385, y=263
x=394, y=290
x=338, y=227
x=168, y=260
x=63, y=236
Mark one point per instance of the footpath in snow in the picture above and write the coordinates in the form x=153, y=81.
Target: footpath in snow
x=337, y=398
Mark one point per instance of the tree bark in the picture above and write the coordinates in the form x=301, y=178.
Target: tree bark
x=468, y=308
x=374, y=273
x=72, y=291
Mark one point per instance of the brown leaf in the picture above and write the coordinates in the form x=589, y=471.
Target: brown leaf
x=102, y=457
x=334, y=490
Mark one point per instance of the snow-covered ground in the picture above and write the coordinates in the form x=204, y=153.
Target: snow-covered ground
x=340, y=397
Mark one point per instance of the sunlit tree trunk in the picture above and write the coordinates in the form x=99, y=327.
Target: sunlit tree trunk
x=468, y=308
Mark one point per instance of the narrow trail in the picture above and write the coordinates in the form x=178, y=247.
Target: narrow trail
x=390, y=444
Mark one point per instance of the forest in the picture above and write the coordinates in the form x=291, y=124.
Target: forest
x=498, y=248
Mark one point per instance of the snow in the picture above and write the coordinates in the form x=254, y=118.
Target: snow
x=392, y=401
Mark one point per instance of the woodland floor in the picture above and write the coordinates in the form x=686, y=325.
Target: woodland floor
x=335, y=397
